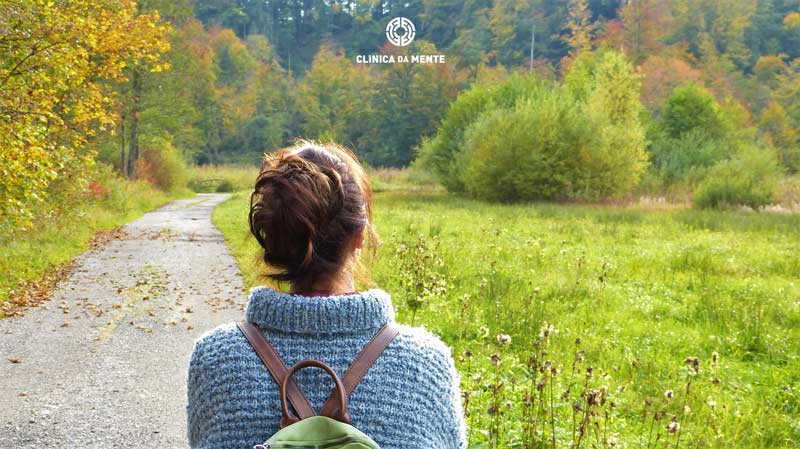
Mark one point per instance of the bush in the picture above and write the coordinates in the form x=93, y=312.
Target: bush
x=524, y=139
x=226, y=185
x=550, y=147
x=527, y=152
x=687, y=158
x=439, y=153
x=692, y=107
x=161, y=165
x=751, y=178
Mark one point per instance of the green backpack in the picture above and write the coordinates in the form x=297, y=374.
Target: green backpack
x=330, y=429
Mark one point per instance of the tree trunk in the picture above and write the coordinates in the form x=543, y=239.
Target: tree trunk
x=123, y=161
x=133, y=152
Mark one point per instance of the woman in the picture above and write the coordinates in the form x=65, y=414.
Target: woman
x=311, y=212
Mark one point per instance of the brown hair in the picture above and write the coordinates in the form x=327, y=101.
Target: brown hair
x=309, y=204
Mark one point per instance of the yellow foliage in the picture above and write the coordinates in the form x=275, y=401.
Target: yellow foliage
x=56, y=62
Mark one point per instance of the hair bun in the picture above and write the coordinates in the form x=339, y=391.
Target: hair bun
x=308, y=203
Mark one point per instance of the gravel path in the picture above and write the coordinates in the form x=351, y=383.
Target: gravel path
x=103, y=363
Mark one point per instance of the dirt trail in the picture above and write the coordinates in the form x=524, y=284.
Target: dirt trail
x=103, y=363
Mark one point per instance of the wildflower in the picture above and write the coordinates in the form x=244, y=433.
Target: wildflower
x=715, y=380
x=711, y=403
x=546, y=330
x=714, y=356
x=673, y=426
x=687, y=410
x=578, y=341
x=496, y=359
x=589, y=372
x=611, y=441
x=540, y=385
x=669, y=394
x=468, y=354
x=503, y=339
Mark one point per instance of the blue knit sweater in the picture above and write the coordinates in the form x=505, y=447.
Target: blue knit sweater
x=409, y=399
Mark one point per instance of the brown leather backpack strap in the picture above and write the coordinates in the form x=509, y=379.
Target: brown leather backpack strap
x=362, y=364
x=277, y=368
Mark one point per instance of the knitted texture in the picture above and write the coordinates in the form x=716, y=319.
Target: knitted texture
x=408, y=399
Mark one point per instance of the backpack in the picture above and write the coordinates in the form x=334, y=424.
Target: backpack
x=332, y=428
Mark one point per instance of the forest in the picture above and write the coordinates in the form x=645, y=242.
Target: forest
x=155, y=84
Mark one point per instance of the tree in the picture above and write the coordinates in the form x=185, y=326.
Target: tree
x=56, y=63
x=777, y=130
x=580, y=27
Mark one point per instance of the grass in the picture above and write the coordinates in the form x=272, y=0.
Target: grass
x=223, y=178
x=58, y=238
x=590, y=326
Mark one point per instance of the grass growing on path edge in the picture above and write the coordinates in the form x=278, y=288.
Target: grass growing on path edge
x=605, y=326
x=38, y=255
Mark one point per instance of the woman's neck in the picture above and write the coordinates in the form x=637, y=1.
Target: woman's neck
x=337, y=287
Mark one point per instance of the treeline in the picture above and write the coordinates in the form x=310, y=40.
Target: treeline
x=150, y=85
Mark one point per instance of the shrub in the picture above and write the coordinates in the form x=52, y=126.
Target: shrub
x=527, y=152
x=439, y=153
x=685, y=159
x=226, y=185
x=689, y=107
x=751, y=178
x=524, y=139
x=161, y=165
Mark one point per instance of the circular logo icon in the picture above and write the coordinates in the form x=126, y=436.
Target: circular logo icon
x=400, y=31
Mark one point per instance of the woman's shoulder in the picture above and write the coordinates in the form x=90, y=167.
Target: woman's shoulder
x=218, y=342
x=419, y=344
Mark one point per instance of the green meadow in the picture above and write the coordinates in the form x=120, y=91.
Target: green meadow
x=596, y=326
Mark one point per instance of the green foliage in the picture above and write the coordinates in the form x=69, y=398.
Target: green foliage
x=162, y=166
x=750, y=178
x=691, y=107
x=525, y=140
x=687, y=157
x=440, y=152
x=528, y=152
x=420, y=273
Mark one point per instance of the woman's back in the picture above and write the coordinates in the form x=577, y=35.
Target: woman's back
x=409, y=398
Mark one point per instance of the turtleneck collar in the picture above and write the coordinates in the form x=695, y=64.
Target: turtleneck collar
x=361, y=311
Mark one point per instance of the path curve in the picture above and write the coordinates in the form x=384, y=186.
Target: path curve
x=102, y=364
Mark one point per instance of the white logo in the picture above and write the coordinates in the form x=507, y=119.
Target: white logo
x=398, y=24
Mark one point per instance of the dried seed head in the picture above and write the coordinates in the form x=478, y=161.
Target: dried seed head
x=673, y=426
x=694, y=362
x=592, y=397
x=496, y=359
x=589, y=372
x=503, y=339
x=669, y=394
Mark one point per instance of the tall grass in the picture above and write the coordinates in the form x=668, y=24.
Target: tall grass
x=586, y=326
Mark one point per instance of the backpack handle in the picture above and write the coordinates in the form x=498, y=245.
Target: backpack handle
x=340, y=414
